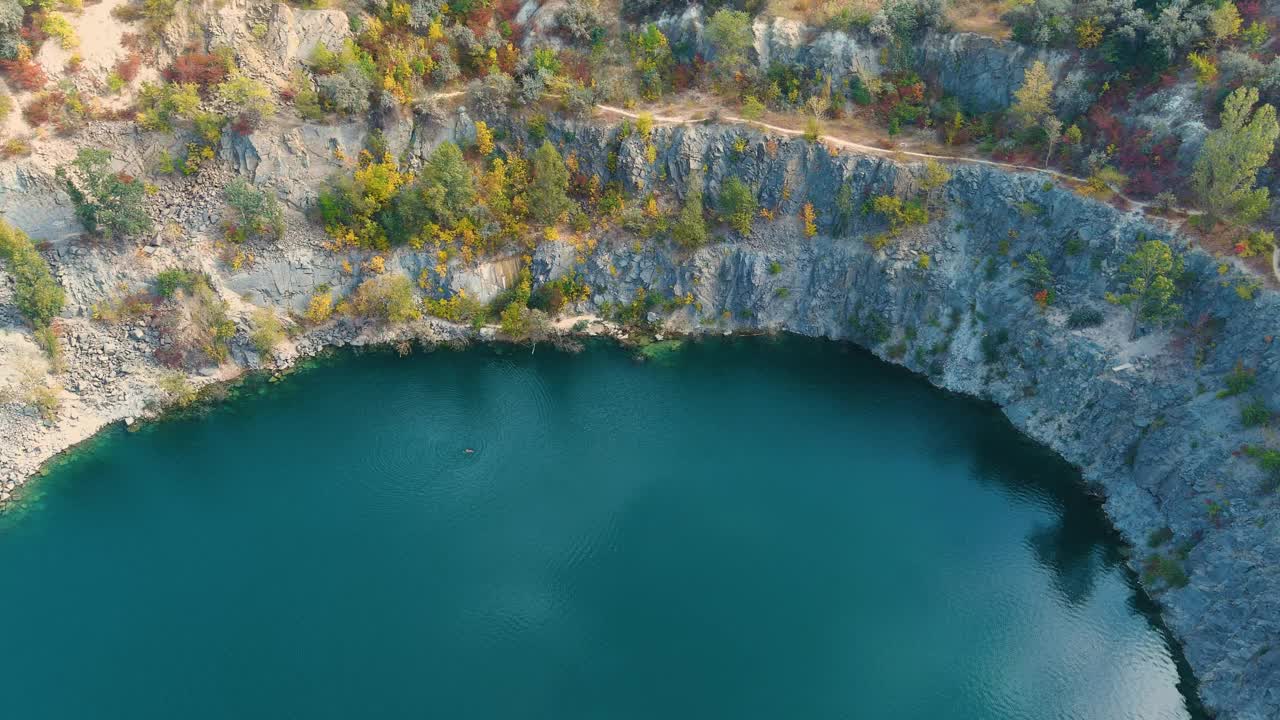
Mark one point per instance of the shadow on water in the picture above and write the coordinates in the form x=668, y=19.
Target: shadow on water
x=1077, y=546
x=1080, y=544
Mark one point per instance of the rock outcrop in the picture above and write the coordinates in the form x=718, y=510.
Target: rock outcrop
x=1141, y=418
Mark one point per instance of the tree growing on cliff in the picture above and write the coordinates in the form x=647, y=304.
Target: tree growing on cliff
x=737, y=205
x=1032, y=100
x=1150, y=273
x=106, y=202
x=1228, y=165
x=549, y=188
x=690, y=229
x=37, y=294
x=447, y=175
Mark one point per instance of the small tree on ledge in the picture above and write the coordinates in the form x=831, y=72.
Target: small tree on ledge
x=1151, y=271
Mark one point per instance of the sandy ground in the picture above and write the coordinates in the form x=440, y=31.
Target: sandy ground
x=16, y=353
x=98, y=32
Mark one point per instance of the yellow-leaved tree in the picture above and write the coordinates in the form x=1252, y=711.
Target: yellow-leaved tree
x=1032, y=100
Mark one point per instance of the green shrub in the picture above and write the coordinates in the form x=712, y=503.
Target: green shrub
x=899, y=214
x=169, y=281
x=752, y=108
x=548, y=190
x=47, y=339
x=179, y=393
x=250, y=99
x=690, y=229
x=253, y=212
x=1086, y=317
x=267, y=332
x=195, y=322
x=549, y=298
x=158, y=107
x=1255, y=414
x=1039, y=277
x=106, y=202
x=1166, y=569
x=1268, y=460
x=1238, y=381
x=38, y=295
x=389, y=298
x=460, y=308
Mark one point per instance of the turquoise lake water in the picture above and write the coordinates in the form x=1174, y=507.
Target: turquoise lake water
x=748, y=529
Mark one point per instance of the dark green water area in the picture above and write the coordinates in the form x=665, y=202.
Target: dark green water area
x=740, y=529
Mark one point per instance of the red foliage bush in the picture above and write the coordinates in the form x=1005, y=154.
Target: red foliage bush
x=1152, y=167
x=507, y=10
x=24, y=73
x=575, y=65
x=127, y=67
x=508, y=59
x=42, y=109
x=169, y=357
x=203, y=69
x=913, y=93
x=1105, y=125
x=243, y=124
x=478, y=20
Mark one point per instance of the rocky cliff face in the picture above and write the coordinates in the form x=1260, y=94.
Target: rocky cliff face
x=1141, y=418
x=947, y=299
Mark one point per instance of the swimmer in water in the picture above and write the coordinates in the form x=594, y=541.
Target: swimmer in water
x=468, y=451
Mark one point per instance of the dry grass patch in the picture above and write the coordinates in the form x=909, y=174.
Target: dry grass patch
x=818, y=12
x=979, y=16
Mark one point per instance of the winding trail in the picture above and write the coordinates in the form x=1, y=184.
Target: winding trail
x=1141, y=206
x=1138, y=205
x=841, y=142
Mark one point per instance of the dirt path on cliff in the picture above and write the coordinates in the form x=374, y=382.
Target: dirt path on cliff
x=1141, y=206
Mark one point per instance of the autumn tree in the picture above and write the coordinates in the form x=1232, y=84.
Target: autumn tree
x=1224, y=22
x=935, y=176
x=549, y=188
x=484, y=139
x=1150, y=273
x=1228, y=165
x=809, y=220
x=1032, y=100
